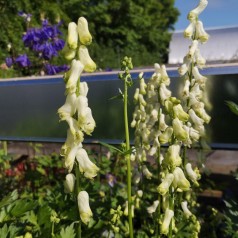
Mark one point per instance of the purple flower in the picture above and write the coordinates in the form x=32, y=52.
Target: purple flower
x=9, y=62
x=26, y=16
x=59, y=44
x=111, y=179
x=23, y=61
x=54, y=69
x=48, y=51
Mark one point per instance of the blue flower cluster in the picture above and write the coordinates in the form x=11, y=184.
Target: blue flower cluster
x=44, y=42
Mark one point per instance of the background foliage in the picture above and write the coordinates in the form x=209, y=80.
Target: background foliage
x=131, y=27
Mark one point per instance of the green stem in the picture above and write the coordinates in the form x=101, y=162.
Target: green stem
x=159, y=196
x=171, y=206
x=77, y=190
x=128, y=160
x=4, y=143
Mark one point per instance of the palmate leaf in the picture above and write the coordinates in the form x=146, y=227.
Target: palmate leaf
x=68, y=232
x=233, y=107
x=9, y=198
x=22, y=206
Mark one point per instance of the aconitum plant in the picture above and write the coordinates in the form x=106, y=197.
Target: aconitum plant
x=43, y=44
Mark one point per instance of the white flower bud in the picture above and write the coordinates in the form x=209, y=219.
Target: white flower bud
x=164, y=229
x=84, y=208
x=126, y=210
x=201, y=34
x=69, y=53
x=84, y=34
x=180, y=180
x=146, y=172
x=140, y=193
x=186, y=211
x=72, y=76
x=143, y=86
x=164, y=75
x=72, y=38
x=89, y=64
x=195, y=12
x=191, y=174
x=188, y=33
x=141, y=100
x=69, y=183
x=163, y=188
x=136, y=95
x=153, y=207
x=86, y=166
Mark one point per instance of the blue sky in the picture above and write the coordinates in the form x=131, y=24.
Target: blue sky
x=219, y=13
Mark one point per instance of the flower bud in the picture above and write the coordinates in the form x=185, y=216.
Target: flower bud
x=89, y=65
x=136, y=95
x=153, y=207
x=195, y=12
x=83, y=31
x=146, y=172
x=186, y=211
x=84, y=208
x=201, y=34
x=180, y=180
x=143, y=86
x=164, y=75
x=72, y=38
x=86, y=166
x=163, y=188
x=69, y=53
x=69, y=183
x=140, y=193
x=164, y=229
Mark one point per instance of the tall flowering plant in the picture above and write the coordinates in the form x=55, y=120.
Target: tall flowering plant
x=78, y=115
x=42, y=44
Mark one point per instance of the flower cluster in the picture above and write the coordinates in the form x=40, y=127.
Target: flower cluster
x=44, y=42
x=161, y=119
x=78, y=115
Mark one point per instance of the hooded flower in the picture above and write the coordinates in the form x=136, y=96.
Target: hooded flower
x=180, y=180
x=164, y=229
x=83, y=31
x=173, y=158
x=84, y=208
x=163, y=188
x=153, y=207
x=179, y=131
x=89, y=64
x=69, y=108
x=186, y=211
x=72, y=38
x=69, y=183
x=86, y=166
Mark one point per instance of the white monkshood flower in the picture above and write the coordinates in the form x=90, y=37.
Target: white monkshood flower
x=81, y=105
x=89, y=64
x=196, y=91
x=146, y=172
x=72, y=38
x=183, y=69
x=195, y=12
x=69, y=183
x=126, y=210
x=200, y=111
x=154, y=147
x=164, y=76
x=188, y=33
x=194, y=134
x=191, y=174
x=172, y=157
x=140, y=193
x=72, y=76
x=201, y=34
x=162, y=124
x=192, y=49
x=186, y=211
x=75, y=130
x=69, y=108
x=180, y=180
x=163, y=188
x=136, y=95
x=199, y=59
x=200, y=79
x=179, y=132
x=84, y=208
x=153, y=207
x=165, y=137
x=83, y=31
x=141, y=100
x=195, y=119
x=86, y=166
x=83, y=89
x=180, y=113
x=69, y=142
x=185, y=91
x=143, y=86
x=86, y=121
x=193, y=100
x=70, y=156
x=164, y=93
x=164, y=229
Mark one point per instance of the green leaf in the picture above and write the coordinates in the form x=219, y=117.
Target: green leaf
x=4, y=231
x=43, y=216
x=111, y=147
x=9, y=199
x=31, y=218
x=22, y=206
x=68, y=232
x=233, y=107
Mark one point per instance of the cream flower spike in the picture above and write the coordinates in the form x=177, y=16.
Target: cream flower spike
x=164, y=229
x=84, y=208
x=72, y=38
x=69, y=183
x=83, y=31
x=86, y=166
x=195, y=12
x=163, y=188
x=89, y=65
